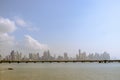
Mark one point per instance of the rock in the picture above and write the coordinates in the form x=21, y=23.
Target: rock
x=10, y=68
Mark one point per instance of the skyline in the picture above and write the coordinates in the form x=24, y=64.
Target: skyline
x=60, y=26
x=46, y=55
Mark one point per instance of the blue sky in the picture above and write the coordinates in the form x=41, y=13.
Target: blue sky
x=67, y=25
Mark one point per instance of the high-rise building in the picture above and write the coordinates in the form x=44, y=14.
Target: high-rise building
x=18, y=56
x=96, y=56
x=25, y=58
x=8, y=57
x=105, y=56
x=12, y=55
x=60, y=58
x=84, y=57
x=66, y=56
x=91, y=56
x=79, y=54
x=47, y=56
x=37, y=56
x=77, y=57
x=33, y=56
x=30, y=56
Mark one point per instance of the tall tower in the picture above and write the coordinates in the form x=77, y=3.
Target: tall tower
x=12, y=55
x=65, y=56
x=79, y=53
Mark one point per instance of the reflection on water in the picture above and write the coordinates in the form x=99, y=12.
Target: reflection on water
x=60, y=71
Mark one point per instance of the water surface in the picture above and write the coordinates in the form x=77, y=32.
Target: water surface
x=60, y=71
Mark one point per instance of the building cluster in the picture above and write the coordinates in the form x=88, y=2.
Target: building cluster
x=17, y=56
x=92, y=56
x=13, y=56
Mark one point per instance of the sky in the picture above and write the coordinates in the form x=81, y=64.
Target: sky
x=60, y=26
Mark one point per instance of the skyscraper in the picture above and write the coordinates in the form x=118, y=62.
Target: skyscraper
x=12, y=55
x=66, y=56
x=79, y=54
x=47, y=56
x=105, y=56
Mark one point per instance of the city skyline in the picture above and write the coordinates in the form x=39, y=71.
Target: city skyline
x=46, y=55
x=60, y=26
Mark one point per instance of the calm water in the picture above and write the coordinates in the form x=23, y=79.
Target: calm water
x=60, y=71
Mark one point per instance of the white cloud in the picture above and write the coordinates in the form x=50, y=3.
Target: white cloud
x=33, y=44
x=25, y=24
x=21, y=22
x=6, y=25
x=8, y=42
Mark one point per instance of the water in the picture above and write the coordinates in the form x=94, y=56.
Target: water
x=60, y=71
